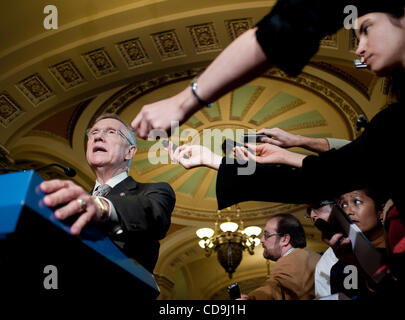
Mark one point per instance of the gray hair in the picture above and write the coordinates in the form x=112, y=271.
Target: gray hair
x=128, y=132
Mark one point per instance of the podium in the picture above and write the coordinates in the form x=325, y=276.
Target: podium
x=39, y=255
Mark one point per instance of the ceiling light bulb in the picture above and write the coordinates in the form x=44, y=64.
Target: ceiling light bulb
x=252, y=230
x=205, y=233
x=229, y=226
x=201, y=243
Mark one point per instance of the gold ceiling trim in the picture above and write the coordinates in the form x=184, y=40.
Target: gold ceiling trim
x=334, y=96
x=336, y=71
x=126, y=96
x=245, y=214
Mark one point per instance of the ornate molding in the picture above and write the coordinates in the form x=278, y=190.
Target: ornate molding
x=137, y=89
x=253, y=213
x=357, y=84
x=328, y=92
x=9, y=109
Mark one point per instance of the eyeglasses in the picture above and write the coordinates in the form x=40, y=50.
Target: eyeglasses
x=317, y=206
x=91, y=134
x=267, y=235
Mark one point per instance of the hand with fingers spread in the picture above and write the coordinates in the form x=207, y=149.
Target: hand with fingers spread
x=72, y=200
x=269, y=153
x=191, y=156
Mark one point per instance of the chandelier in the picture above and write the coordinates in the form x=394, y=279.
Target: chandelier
x=229, y=239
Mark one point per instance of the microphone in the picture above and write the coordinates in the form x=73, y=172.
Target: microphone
x=7, y=170
x=359, y=65
x=70, y=172
x=362, y=122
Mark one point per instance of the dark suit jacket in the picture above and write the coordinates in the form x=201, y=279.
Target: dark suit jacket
x=144, y=212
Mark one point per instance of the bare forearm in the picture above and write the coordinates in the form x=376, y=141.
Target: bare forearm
x=213, y=161
x=242, y=61
x=293, y=159
x=318, y=145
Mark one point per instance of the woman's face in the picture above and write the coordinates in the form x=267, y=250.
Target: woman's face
x=381, y=42
x=361, y=209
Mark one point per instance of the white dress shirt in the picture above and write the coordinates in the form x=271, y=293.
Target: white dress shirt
x=322, y=273
x=112, y=183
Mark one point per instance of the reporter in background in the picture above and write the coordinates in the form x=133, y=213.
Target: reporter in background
x=322, y=210
x=365, y=209
x=292, y=277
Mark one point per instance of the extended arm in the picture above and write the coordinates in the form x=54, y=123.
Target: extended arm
x=242, y=61
x=274, y=41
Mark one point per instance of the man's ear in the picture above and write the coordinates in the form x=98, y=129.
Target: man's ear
x=285, y=239
x=131, y=152
x=380, y=215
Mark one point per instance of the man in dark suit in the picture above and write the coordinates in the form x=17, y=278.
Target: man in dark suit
x=135, y=215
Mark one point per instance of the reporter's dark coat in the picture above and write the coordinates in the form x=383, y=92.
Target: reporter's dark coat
x=144, y=213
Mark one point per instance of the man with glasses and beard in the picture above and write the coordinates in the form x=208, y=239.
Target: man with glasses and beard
x=292, y=277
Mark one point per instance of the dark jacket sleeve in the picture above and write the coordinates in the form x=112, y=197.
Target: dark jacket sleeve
x=148, y=210
x=290, y=34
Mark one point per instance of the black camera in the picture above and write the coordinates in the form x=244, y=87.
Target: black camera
x=251, y=138
x=234, y=291
x=228, y=145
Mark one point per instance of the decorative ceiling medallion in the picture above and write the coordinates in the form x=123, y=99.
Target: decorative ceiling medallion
x=204, y=37
x=67, y=74
x=277, y=105
x=35, y=89
x=242, y=100
x=168, y=44
x=238, y=26
x=133, y=53
x=9, y=110
x=330, y=41
x=100, y=63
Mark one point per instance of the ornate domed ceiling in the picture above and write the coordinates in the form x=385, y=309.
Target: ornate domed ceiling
x=116, y=56
x=270, y=101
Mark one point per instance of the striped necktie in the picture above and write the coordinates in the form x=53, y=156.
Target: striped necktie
x=102, y=190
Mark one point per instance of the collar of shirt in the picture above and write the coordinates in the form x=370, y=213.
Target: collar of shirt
x=288, y=252
x=113, y=181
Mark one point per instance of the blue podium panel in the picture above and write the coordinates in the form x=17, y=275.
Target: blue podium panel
x=33, y=243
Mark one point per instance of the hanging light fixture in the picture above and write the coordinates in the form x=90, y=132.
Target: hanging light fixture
x=229, y=239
